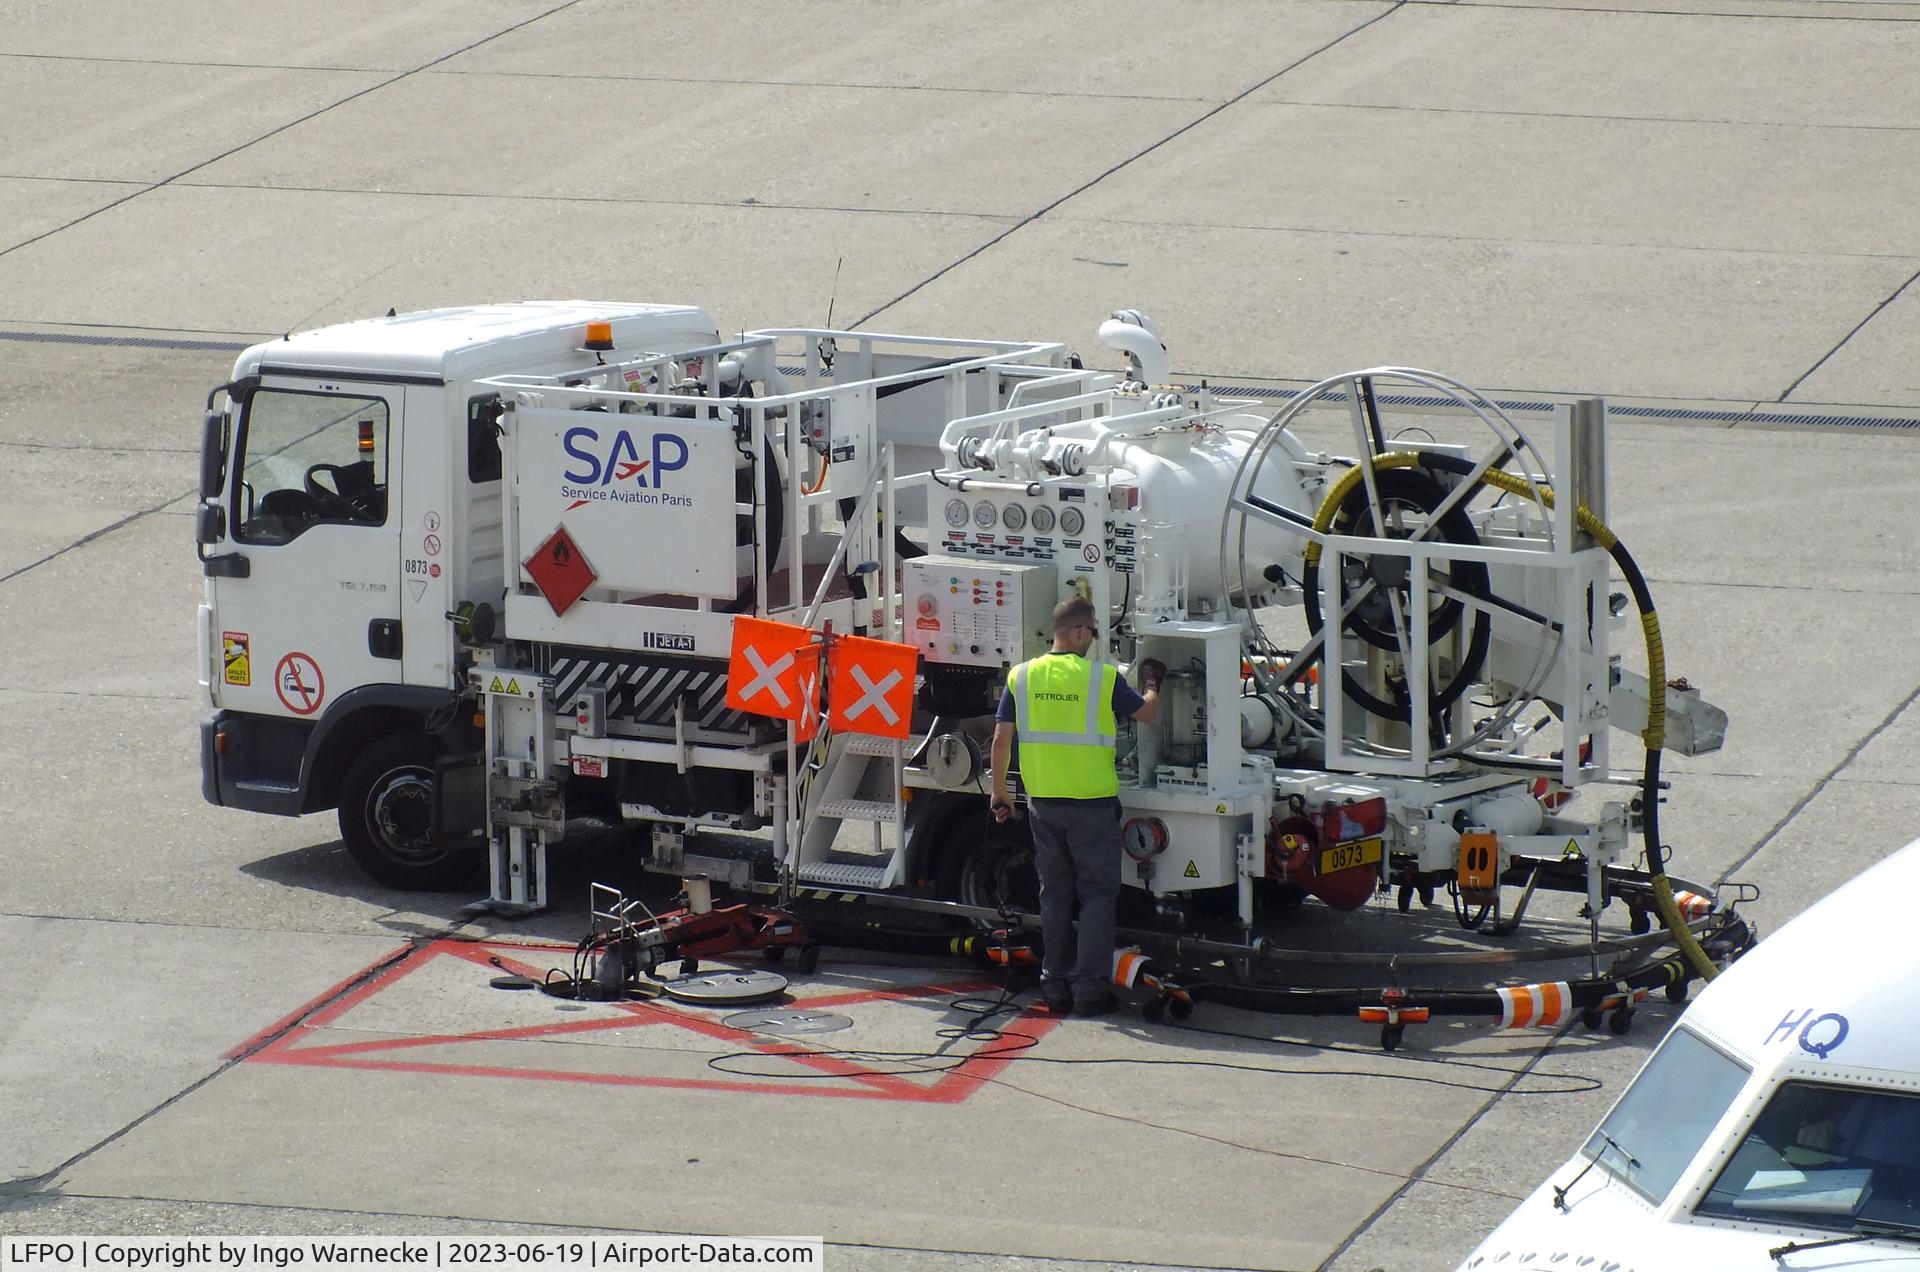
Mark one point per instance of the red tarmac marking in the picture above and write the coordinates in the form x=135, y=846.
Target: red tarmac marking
x=949, y=1086
x=662, y=1014
x=299, y=1013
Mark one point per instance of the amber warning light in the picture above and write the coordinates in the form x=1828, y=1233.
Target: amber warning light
x=366, y=437
x=600, y=336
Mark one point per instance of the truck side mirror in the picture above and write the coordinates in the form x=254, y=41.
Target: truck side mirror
x=481, y=625
x=209, y=523
x=213, y=454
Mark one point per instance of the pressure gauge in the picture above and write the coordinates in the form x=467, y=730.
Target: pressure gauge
x=1042, y=519
x=1014, y=517
x=956, y=513
x=1072, y=521
x=1144, y=838
x=983, y=514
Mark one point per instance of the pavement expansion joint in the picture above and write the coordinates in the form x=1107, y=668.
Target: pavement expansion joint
x=1142, y=153
x=1418, y=1175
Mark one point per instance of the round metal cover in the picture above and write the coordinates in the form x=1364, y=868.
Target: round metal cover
x=786, y=1020
x=723, y=989
x=953, y=759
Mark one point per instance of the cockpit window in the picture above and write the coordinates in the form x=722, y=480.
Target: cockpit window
x=307, y=459
x=1666, y=1115
x=1826, y=1157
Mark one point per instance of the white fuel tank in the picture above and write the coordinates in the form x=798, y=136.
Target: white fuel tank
x=1184, y=477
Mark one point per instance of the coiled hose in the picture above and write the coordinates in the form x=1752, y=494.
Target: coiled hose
x=1653, y=735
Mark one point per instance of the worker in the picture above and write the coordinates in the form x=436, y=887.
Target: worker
x=1064, y=709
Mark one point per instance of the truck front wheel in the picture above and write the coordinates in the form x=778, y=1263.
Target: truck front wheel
x=386, y=818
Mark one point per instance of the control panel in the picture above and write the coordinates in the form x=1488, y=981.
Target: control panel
x=1058, y=523
x=969, y=613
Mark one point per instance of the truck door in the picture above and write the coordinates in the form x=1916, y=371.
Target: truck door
x=315, y=610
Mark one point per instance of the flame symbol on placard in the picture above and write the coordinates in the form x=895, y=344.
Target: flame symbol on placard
x=561, y=556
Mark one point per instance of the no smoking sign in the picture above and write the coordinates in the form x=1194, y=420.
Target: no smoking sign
x=298, y=683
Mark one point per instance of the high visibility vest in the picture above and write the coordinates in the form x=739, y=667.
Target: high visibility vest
x=1066, y=727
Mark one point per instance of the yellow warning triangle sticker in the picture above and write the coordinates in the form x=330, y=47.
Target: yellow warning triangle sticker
x=1192, y=871
x=513, y=686
x=1572, y=849
x=496, y=687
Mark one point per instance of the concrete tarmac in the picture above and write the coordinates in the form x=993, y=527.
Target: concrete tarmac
x=212, y=1023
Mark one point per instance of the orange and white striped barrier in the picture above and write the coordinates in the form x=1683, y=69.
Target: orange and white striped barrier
x=1127, y=966
x=1524, y=1006
x=1692, y=905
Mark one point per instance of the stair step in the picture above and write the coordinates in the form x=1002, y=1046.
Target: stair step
x=872, y=810
x=844, y=874
x=867, y=744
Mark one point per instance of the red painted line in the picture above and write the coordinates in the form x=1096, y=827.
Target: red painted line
x=880, y=1082
x=299, y=1013
x=598, y=1079
x=470, y=949
x=385, y=980
x=639, y=1014
x=976, y=1071
x=523, y=1033
x=467, y=952
x=949, y=1087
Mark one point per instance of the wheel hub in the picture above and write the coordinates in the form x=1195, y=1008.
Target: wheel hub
x=402, y=811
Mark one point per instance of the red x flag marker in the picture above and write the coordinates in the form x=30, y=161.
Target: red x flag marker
x=560, y=571
x=870, y=686
x=775, y=671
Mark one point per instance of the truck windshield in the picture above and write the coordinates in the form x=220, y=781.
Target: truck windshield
x=1666, y=1115
x=307, y=459
x=1845, y=1158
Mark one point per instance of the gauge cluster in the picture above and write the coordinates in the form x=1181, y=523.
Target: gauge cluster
x=1012, y=526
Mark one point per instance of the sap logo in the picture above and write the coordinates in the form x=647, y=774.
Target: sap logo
x=618, y=458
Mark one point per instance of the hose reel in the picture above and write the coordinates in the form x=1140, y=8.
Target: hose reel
x=1375, y=592
x=1426, y=496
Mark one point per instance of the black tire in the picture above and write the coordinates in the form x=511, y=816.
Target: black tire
x=1154, y=1010
x=983, y=863
x=1180, y=1008
x=386, y=811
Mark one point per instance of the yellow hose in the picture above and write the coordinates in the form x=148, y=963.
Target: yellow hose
x=1654, y=735
x=1330, y=506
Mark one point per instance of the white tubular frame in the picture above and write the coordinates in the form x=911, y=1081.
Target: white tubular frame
x=850, y=405
x=1578, y=567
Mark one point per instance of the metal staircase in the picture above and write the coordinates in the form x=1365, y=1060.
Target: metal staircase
x=858, y=783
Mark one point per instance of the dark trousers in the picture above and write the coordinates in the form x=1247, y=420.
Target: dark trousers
x=1076, y=851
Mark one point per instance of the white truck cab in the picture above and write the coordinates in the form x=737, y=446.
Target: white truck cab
x=1777, y=1125
x=350, y=501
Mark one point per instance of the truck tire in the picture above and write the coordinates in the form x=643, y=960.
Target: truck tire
x=386, y=811
x=984, y=863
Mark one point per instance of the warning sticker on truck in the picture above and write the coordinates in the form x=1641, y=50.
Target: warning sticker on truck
x=236, y=650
